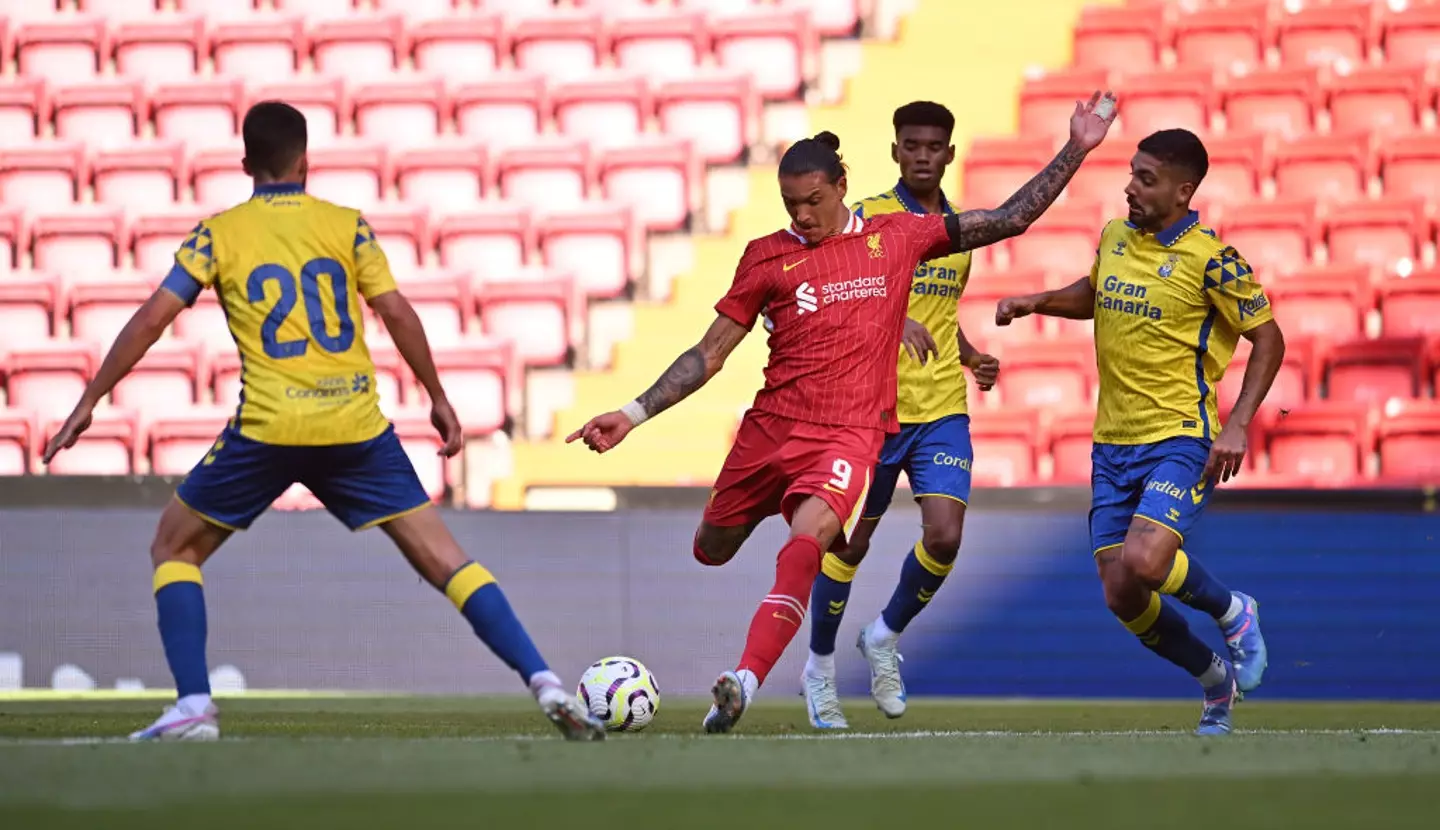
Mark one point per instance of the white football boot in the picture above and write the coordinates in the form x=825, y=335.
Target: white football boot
x=569, y=715
x=822, y=701
x=885, y=684
x=183, y=722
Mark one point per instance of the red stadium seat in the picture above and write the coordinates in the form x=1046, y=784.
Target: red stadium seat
x=1008, y=441
x=1062, y=240
x=1229, y=39
x=197, y=111
x=1375, y=371
x=99, y=310
x=536, y=317
x=1412, y=36
x=260, y=51
x=114, y=9
x=1294, y=384
x=223, y=374
x=560, y=45
x=82, y=239
x=653, y=179
x=831, y=18
x=1412, y=166
x=500, y=111
x=205, y=324
x=1165, y=100
x=1238, y=162
x=1409, y=444
x=1384, y=234
x=1047, y=374
x=1330, y=303
x=165, y=380
x=400, y=114
x=323, y=103
x=393, y=382
x=1325, y=441
x=1325, y=35
x=994, y=168
x=1118, y=39
x=217, y=177
x=360, y=49
x=101, y=114
x=443, y=305
x=24, y=104
x=1377, y=99
x=479, y=379
x=61, y=51
x=154, y=237
x=180, y=440
x=42, y=176
x=714, y=113
x=404, y=235
x=349, y=174
x=422, y=444
x=976, y=312
x=108, y=447
x=605, y=110
x=1274, y=237
x=769, y=46
x=17, y=442
x=1411, y=307
x=444, y=179
x=218, y=10
x=138, y=176
x=1280, y=103
x=594, y=242
x=553, y=172
x=1325, y=168
x=27, y=311
x=13, y=236
x=494, y=241
x=1047, y=101
x=660, y=45
x=317, y=8
x=1071, y=440
x=47, y=378
x=159, y=50
x=1102, y=178
x=458, y=48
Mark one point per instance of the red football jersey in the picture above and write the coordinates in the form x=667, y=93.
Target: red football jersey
x=837, y=311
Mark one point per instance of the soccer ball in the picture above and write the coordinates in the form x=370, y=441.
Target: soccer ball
x=621, y=692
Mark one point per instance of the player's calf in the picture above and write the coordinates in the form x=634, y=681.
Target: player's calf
x=830, y=596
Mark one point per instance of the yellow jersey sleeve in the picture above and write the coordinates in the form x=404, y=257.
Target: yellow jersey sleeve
x=1231, y=288
x=372, y=269
x=195, y=266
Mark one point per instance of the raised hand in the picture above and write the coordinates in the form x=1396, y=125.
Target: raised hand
x=1092, y=120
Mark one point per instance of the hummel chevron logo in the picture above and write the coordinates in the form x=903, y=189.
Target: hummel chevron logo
x=924, y=595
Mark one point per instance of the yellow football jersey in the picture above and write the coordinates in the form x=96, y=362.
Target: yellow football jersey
x=289, y=270
x=937, y=389
x=1169, y=309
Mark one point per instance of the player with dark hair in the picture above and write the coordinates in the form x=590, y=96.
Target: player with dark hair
x=290, y=271
x=1170, y=301
x=932, y=446
x=835, y=286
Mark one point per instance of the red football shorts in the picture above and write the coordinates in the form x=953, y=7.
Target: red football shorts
x=777, y=462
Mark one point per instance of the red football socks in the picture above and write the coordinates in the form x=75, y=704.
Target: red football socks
x=781, y=614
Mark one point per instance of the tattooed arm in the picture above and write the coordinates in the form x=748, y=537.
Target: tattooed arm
x=687, y=374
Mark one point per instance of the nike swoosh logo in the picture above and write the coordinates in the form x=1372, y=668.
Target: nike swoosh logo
x=792, y=266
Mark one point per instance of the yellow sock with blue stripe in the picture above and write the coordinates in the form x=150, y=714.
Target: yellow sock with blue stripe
x=474, y=591
x=827, y=603
x=180, y=607
x=1190, y=583
x=920, y=577
x=1163, y=630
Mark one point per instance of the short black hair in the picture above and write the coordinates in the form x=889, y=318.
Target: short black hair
x=820, y=154
x=1178, y=148
x=925, y=114
x=275, y=136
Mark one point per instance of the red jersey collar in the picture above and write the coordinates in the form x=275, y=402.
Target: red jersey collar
x=855, y=225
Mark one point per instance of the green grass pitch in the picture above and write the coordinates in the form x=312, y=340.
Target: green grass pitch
x=408, y=762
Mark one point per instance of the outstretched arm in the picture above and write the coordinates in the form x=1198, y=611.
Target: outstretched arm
x=688, y=373
x=977, y=228
x=1075, y=301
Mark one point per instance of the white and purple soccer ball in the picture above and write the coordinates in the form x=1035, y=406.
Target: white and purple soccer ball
x=621, y=692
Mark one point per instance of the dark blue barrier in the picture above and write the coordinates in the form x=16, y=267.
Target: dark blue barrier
x=1350, y=606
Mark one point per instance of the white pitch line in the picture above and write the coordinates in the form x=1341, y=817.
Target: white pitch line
x=799, y=736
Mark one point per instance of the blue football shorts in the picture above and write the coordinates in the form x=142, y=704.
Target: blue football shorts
x=1159, y=482
x=936, y=456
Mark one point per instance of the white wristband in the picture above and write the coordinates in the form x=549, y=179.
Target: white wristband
x=635, y=412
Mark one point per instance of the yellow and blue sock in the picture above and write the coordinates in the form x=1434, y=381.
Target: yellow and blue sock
x=474, y=591
x=920, y=577
x=827, y=599
x=180, y=603
x=1190, y=583
x=1163, y=630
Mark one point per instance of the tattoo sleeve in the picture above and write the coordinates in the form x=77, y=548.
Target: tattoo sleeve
x=693, y=367
x=977, y=228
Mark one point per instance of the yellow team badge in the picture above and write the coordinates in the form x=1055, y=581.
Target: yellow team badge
x=876, y=246
x=1169, y=267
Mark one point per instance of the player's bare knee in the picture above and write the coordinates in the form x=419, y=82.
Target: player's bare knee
x=1120, y=583
x=1149, y=553
x=182, y=536
x=942, y=542
x=714, y=546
